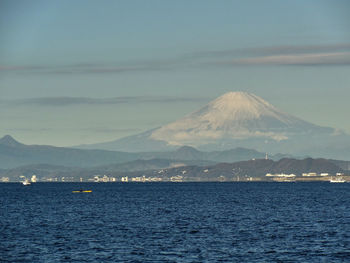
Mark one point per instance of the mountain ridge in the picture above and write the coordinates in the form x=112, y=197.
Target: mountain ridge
x=239, y=119
x=8, y=140
x=165, y=169
x=16, y=154
x=236, y=115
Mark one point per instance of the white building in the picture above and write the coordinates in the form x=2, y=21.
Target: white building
x=281, y=175
x=309, y=174
x=33, y=179
x=5, y=179
x=177, y=178
x=105, y=179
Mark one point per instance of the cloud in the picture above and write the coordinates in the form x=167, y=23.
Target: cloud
x=76, y=69
x=98, y=68
x=21, y=68
x=282, y=55
x=308, y=55
x=112, y=130
x=27, y=129
x=273, y=50
x=96, y=130
x=67, y=101
x=317, y=59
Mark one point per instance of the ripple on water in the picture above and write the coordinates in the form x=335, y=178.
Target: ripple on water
x=190, y=222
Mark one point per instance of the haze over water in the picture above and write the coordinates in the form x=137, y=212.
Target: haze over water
x=167, y=222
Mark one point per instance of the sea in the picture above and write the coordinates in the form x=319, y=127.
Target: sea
x=175, y=222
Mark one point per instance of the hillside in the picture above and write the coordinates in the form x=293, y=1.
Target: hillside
x=190, y=170
x=14, y=154
x=259, y=168
x=239, y=119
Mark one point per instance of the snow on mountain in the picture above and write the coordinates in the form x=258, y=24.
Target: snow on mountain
x=234, y=115
x=239, y=119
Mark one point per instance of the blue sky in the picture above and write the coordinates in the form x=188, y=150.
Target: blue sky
x=76, y=72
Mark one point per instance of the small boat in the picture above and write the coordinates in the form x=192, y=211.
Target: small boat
x=82, y=191
x=26, y=182
x=337, y=180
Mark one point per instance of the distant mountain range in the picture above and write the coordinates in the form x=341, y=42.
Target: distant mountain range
x=18, y=159
x=238, y=119
x=14, y=154
x=257, y=168
x=227, y=130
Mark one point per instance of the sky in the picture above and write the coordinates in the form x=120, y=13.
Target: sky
x=80, y=72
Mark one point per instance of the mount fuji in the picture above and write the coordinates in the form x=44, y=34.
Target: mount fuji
x=235, y=115
x=238, y=119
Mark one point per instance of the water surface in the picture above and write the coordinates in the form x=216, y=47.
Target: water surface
x=175, y=222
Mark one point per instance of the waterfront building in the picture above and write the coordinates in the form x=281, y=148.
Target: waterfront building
x=33, y=179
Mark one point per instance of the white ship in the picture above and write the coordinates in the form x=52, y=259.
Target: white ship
x=26, y=182
x=337, y=180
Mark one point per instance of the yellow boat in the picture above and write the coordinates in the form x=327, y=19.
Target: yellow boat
x=82, y=191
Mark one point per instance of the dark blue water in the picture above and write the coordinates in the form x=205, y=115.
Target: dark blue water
x=169, y=222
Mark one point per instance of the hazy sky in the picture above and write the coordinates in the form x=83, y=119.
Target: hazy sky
x=74, y=72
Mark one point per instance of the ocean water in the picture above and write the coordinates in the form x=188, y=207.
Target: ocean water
x=175, y=222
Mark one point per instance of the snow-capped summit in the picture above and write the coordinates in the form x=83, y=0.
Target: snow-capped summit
x=238, y=119
x=239, y=105
x=234, y=115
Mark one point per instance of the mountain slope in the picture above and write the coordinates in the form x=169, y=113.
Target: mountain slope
x=193, y=172
x=235, y=115
x=13, y=154
x=239, y=119
x=254, y=168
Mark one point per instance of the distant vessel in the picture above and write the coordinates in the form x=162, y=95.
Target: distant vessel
x=26, y=182
x=337, y=180
x=82, y=191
